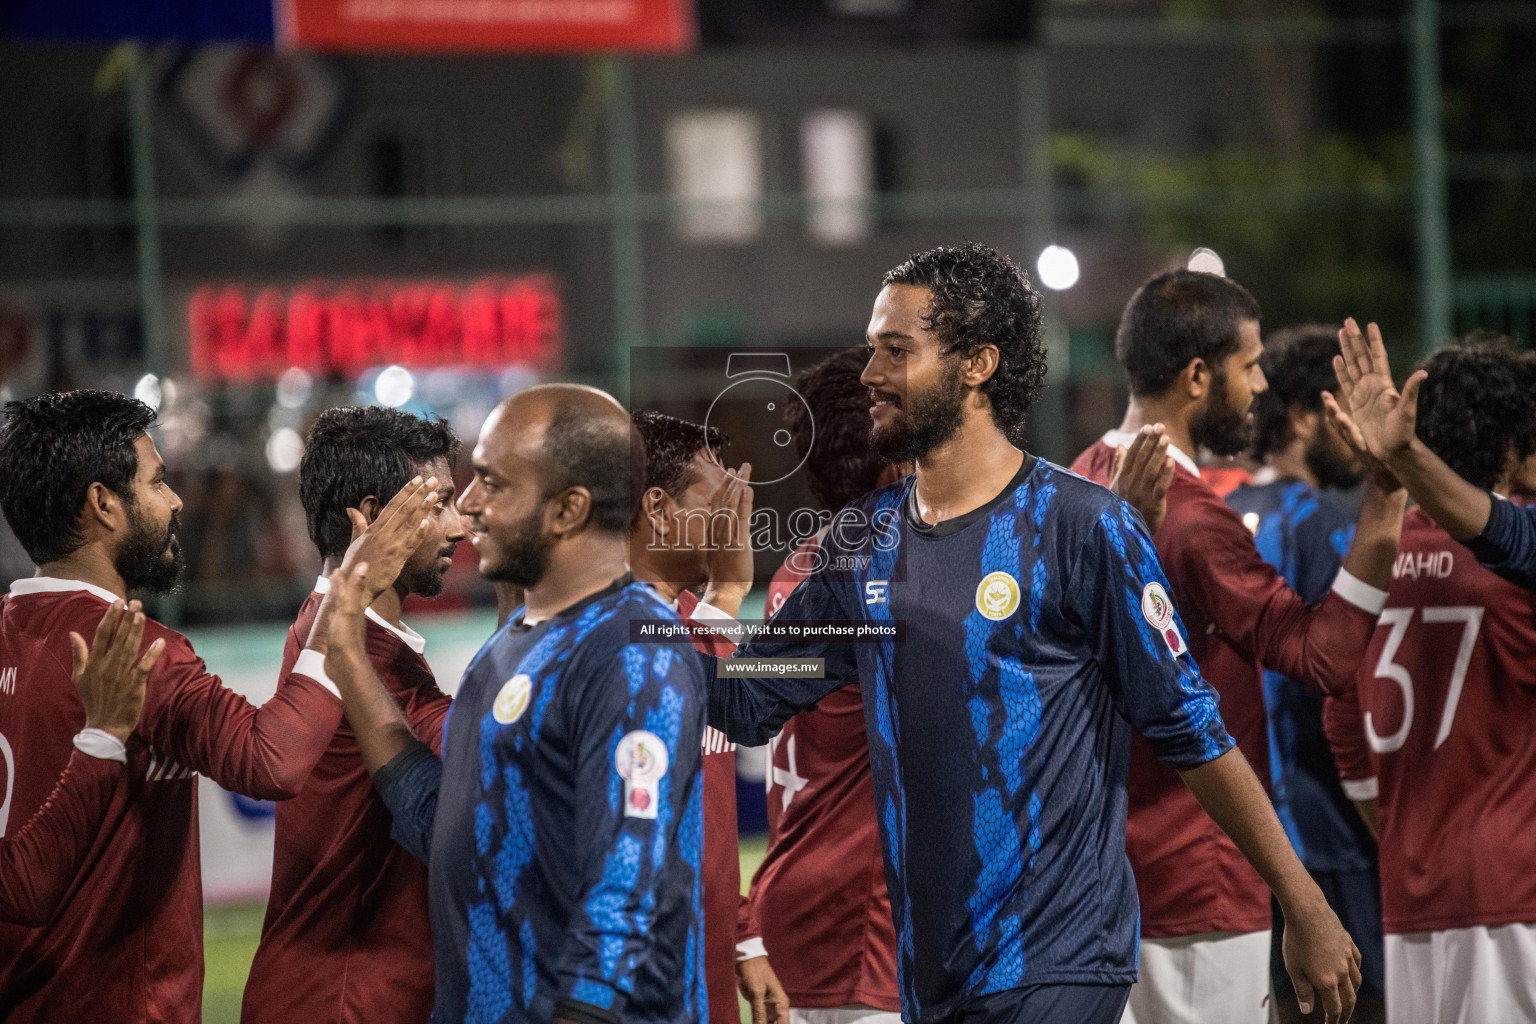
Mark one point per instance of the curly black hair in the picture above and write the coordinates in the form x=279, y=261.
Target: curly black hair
x=1478, y=406
x=52, y=448
x=670, y=445
x=1177, y=317
x=981, y=297
x=357, y=451
x=1298, y=363
x=844, y=464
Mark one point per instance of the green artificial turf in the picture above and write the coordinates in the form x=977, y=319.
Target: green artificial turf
x=230, y=934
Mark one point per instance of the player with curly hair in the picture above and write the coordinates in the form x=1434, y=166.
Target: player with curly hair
x=1035, y=633
x=1435, y=737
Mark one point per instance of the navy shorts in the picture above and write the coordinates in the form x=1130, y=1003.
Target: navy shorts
x=1356, y=897
x=1044, y=1004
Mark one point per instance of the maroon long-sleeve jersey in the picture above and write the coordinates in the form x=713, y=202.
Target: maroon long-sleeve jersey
x=1443, y=715
x=58, y=837
x=347, y=939
x=819, y=899
x=126, y=945
x=1242, y=617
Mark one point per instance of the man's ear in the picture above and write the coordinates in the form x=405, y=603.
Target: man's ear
x=569, y=511
x=103, y=508
x=370, y=507
x=653, y=509
x=981, y=365
x=1195, y=379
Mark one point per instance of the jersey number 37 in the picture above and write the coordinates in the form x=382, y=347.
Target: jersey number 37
x=1471, y=619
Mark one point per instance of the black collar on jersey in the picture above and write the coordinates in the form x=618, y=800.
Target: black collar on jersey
x=950, y=526
x=517, y=625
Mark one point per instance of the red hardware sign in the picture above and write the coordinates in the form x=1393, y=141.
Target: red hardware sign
x=240, y=333
x=487, y=25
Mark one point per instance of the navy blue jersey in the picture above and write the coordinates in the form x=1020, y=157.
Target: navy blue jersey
x=1038, y=632
x=1304, y=534
x=1507, y=544
x=568, y=826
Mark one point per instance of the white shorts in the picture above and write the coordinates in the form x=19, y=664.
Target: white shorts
x=1462, y=976
x=857, y=1014
x=1216, y=978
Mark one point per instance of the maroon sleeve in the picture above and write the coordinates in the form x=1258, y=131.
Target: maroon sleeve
x=40, y=863
x=747, y=926
x=265, y=753
x=1213, y=565
x=426, y=719
x=1344, y=725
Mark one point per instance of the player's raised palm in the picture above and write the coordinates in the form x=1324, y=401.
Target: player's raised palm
x=1142, y=474
x=729, y=557
x=1384, y=416
x=109, y=675
x=386, y=543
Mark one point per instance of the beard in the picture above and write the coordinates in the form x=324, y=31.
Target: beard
x=428, y=581
x=928, y=420
x=150, y=559
x=1219, y=426
x=1332, y=467
x=525, y=553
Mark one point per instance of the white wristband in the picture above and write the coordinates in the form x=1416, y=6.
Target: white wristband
x=102, y=744
x=1359, y=789
x=1359, y=593
x=706, y=614
x=312, y=664
x=750, y=949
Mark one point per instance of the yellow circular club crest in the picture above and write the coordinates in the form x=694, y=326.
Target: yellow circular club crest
x=512, y=701
x=997, y=596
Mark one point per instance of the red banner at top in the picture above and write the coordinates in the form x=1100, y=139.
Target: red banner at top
x=549, y=26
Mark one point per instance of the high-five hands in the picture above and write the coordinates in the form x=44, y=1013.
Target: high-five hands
x=110, y=675
x=385, y=544
x=347, y=603
x=1383, y=415
x=1142, y=473
x=729, y=556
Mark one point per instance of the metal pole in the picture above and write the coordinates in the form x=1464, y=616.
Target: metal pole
x=1047, y=428
x=1430, y=177
x=146, y=212
x=627, y=243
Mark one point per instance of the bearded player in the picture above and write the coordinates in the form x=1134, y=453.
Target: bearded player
x=1001, y=793
x=562, y=824
x=1436, y=738
x=1190, y=343
x=346, y=936
x=85, y=492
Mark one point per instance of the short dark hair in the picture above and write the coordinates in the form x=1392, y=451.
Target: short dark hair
x=52, y=448
x=355, y=451
x=843, y=464
x=1177, y=317
x=670, y=445
x=1476, y=407
x=582, y=450
x=1298, y=363
x=981, y=297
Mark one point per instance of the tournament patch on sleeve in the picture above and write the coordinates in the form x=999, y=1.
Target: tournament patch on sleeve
x=641, y=760
x=1157, y=609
